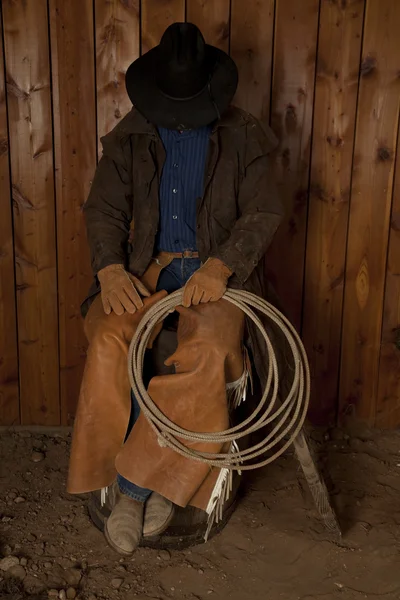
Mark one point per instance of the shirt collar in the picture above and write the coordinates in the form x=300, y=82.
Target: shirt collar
x=185, y=134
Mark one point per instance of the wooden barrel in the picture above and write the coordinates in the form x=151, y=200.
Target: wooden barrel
x=186, y=529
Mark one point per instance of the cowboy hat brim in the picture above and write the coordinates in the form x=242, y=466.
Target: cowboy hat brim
x=171, y=113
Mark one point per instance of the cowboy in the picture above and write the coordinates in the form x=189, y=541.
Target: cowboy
x=183, y=196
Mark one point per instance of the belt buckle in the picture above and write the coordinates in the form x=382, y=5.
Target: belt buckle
x=188, y=254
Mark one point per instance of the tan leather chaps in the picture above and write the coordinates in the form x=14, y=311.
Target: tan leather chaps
x=209, y=355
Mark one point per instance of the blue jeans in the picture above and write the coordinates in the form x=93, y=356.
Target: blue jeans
x=172, y=278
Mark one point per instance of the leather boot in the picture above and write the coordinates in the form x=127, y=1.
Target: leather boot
x=158, y=514
x=124, y=527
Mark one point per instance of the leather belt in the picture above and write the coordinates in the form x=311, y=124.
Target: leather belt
x=158, y=263
x=185, y=254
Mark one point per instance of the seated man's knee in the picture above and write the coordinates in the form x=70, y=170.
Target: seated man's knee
x=100, y=326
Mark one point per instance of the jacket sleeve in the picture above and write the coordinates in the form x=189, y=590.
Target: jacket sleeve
x=260, y=210
x=108, y=209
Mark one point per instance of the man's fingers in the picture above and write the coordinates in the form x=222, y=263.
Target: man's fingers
x=116, y=304
x=197, y=296
x=128, y=303
x=141, y=288
x=187, y=295
x=128, y=296
x=206, y=297
x=215, y=297
x=133, y=295
x=106, y=304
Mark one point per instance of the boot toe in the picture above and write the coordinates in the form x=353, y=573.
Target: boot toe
x=158, y=515
x=124, y=527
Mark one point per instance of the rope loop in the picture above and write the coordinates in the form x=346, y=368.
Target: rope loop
x=283, y=416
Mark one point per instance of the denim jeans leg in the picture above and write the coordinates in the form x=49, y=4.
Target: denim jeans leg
x=132, y=490
x=189, y=267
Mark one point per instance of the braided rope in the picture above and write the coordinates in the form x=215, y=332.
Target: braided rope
x=286, y=415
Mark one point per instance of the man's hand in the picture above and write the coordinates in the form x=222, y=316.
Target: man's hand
x=120, y=290
x=208, y=284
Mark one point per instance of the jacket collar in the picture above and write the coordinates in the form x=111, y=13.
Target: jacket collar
x=135, y=123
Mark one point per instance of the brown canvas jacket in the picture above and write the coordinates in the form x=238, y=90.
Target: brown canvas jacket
x=237, y=216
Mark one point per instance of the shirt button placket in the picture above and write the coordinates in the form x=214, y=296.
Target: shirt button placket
x=175, y=189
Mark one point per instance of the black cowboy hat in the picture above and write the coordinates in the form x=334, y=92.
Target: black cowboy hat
x=183, y=83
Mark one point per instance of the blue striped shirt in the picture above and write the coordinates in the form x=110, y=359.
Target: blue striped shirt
x=182, y=182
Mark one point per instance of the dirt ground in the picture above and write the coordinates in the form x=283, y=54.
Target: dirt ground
x=274, y=546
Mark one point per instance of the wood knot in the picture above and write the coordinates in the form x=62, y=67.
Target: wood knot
x=20, y=201
x=335, y=141
x=318, y=192
x=131, y=5
x=301, y=95
x=384, y=154
x=395, y=222
x=291, y=117
x=301, y=199
x=318, y=348
x=3, y=146
x=362, y=285
x=223, y=31
x=361, y=339
x=337, y=281
x=340, y=3
x=368, y=65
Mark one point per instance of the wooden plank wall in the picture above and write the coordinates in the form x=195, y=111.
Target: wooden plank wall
x=336, y=92
x=9, y=390
x=324, y=73
x=32, y=182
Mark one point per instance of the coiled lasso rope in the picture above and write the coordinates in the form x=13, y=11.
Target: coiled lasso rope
x=285, y=416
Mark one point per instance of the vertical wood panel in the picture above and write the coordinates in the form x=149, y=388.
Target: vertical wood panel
x=157, y=15
x=212, y=18
x=388, y=401
x=117, y=45
x=296, y=29
x=252, y=25
x=72, y=50
x=9, y=393
x=332, y=154
x=371, y=194
x=347, y=204
x=30, y=125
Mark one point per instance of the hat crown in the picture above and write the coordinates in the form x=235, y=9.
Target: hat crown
x=183, y=44
x=183, y=69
